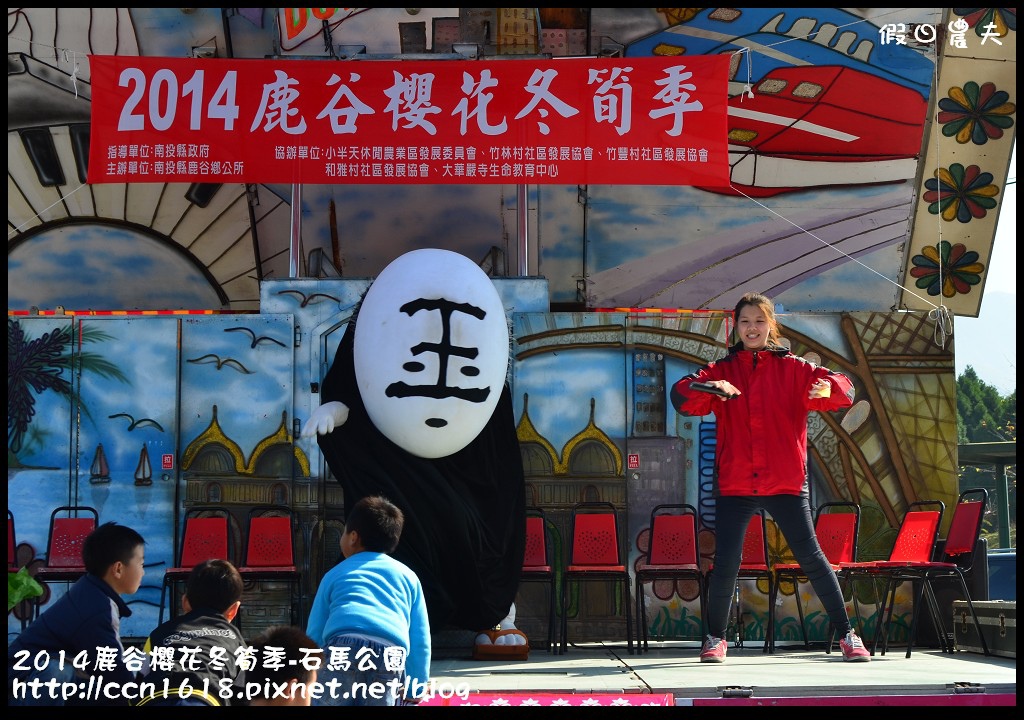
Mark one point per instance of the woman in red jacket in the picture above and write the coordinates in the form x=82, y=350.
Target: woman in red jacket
x=762, y=395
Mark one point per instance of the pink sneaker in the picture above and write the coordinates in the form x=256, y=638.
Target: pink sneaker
x=853, y=648
x=714, y=650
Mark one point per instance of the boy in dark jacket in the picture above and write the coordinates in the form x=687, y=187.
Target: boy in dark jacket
x=195, y=658
x=84, y=624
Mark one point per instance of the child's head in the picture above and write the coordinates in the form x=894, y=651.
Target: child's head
x=300, y=655
x=214, y=585
x=116, y=554
x=378, y=524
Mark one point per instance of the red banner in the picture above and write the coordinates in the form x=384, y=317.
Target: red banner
x=649, y=121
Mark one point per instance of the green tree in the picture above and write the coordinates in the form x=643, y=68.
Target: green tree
x=979, y=407
x=984, y=416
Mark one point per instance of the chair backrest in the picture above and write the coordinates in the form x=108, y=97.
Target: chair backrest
x=836, y=527
x=595, y=534
x=270, y=541
x=755, y=544
x=68, y=534
x=965, y=527
x=673, y=535
x=536, y=553
x=205, y=538
x=919, y=530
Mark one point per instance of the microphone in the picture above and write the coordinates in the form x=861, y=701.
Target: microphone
x=711, y=389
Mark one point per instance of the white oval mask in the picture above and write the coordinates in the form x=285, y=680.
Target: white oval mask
x=431, y=351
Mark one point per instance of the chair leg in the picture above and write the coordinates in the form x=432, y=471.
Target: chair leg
x=641, y=619
x=885, y=611
x=163, y=593
x=935, y=611
x=855, y=622
x=736, y=596
x=551, y=617
x=702, y=591
x=629, y=615
x=918, y=609
x=974, y=615
x=799, y=611
x=773, y=591
x=565, y=614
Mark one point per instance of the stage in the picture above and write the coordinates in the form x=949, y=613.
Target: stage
x=607, y=674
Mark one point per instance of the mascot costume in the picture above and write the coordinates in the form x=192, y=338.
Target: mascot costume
x=416, y=407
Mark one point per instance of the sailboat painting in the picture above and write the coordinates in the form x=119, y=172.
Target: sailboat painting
x=99, y=472
x=144, y=472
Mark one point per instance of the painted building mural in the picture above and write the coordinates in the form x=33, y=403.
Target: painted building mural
x=145, y=417
x=166, y=341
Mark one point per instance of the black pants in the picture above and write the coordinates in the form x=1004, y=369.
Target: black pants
x=792, y=514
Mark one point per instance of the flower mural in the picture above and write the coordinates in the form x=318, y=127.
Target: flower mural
x=1003, y=20
x=947, y=268
x=960, y=193
x=975, y=113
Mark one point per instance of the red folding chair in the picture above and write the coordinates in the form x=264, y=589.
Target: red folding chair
x=206, y=537
x=836, y=526
x=537, y=564
x=957, y=559
x=270, y=554
x=915, y=543
x=596, y=556
x=671, y=556
x=70, y=525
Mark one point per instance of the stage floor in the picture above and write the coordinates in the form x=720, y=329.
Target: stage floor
x=747, y=674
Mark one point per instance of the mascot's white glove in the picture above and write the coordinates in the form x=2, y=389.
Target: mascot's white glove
x=325, y=419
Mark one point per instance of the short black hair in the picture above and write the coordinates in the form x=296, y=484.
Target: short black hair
x=213, y=585
x=300, y=651
x=108, y=544
x=379, y=523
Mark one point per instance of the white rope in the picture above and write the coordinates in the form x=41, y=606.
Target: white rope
x=943, y=321
x=943, y=325
x=827, y=244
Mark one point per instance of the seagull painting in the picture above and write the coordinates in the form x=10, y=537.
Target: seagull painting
x=134, y=424
x=307, y=300
x=253, y=340
x=221, y=363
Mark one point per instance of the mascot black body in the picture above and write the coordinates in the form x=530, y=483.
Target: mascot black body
x=464, y=532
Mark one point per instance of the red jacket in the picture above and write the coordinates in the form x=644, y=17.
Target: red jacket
x=762, y=434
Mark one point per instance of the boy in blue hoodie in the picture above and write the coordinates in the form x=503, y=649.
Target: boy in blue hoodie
x=370, y=617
